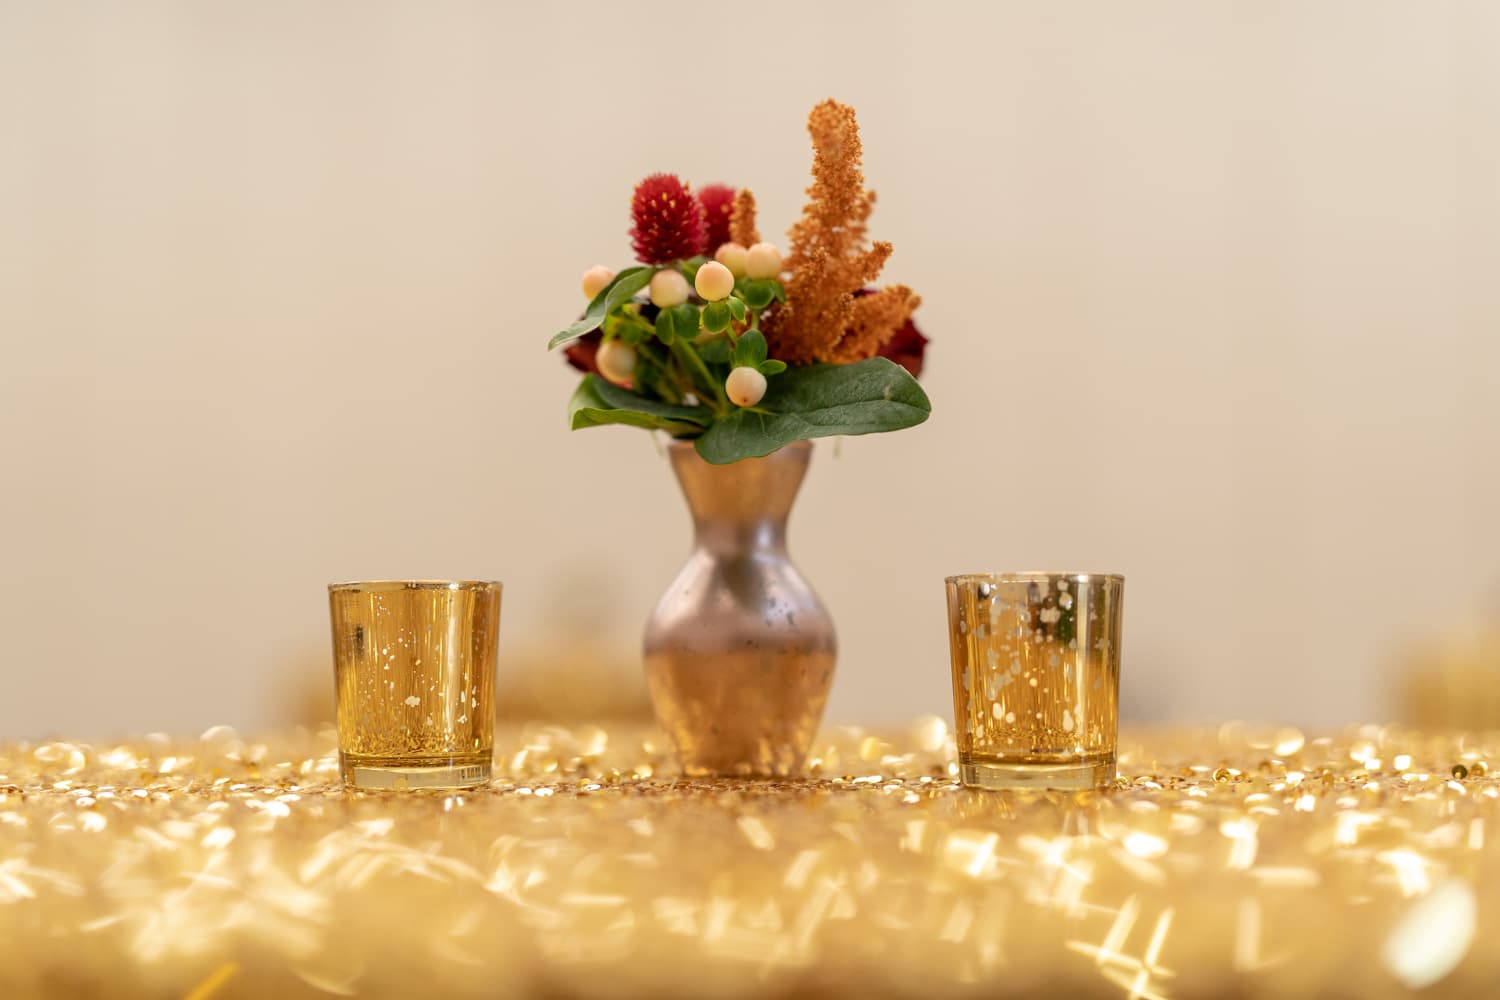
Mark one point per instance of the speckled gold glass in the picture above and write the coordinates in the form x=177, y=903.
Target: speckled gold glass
x=414, y=664
x=1036, y=678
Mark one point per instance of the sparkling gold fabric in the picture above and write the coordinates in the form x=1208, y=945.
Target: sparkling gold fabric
x=1233, y=862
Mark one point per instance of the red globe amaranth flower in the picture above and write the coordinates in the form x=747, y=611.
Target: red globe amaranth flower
x=718, y=205
x=907, y=347
x=668, y=220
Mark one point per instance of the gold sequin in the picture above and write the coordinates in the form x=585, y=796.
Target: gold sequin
x=223, y=867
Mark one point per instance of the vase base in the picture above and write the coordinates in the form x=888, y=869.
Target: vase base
x=1038, y=771
x=385, y=773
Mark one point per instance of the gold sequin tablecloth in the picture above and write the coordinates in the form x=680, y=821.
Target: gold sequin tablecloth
x=1231, y=862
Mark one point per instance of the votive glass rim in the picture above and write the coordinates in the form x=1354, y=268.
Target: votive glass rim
x=391, y=586
x=1030, y=576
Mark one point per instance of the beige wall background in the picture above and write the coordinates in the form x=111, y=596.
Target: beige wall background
x=1213, y=292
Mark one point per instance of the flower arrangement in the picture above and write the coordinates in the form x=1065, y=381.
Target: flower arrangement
x=717, y=337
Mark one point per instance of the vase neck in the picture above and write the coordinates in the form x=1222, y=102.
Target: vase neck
x=742, y=506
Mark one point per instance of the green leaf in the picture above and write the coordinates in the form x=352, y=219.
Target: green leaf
x=617, y=292
x=757, y=292
x=684, y=320
x=624, y=399
x=666, y=329
x=751, y=349
x=736, y=309
x=716, y=317
x=771, y=367
x=597, y=402
x=716, y=351
x=819, y=401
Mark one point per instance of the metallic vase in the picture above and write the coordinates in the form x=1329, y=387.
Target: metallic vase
x=739, y=651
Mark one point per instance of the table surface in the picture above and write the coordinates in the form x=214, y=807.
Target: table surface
x=1237, y=860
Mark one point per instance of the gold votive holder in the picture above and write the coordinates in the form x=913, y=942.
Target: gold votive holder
x=1036, y=678
x=414, y=667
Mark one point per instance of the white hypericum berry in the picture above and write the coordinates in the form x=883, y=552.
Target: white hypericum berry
x=732, y=256
x=594, y=280
x=616, y=361
x=668, y=288
x=714, y=281
x=745, y=387
x=763, y=261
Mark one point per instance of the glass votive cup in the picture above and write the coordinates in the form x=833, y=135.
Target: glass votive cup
x=414, y=668
x=1036, y=678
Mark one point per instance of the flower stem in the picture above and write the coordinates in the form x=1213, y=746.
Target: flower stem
x=671, y=382
x=687, y=353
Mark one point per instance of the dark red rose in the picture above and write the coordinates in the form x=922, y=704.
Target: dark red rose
x=668, y=220
x=580, y=353
x=907, y=348
x=718, y=204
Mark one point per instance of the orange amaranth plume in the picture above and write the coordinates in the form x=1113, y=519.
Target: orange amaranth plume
x=830, y=259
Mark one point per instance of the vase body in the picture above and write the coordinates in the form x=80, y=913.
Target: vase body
x=740, y=652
